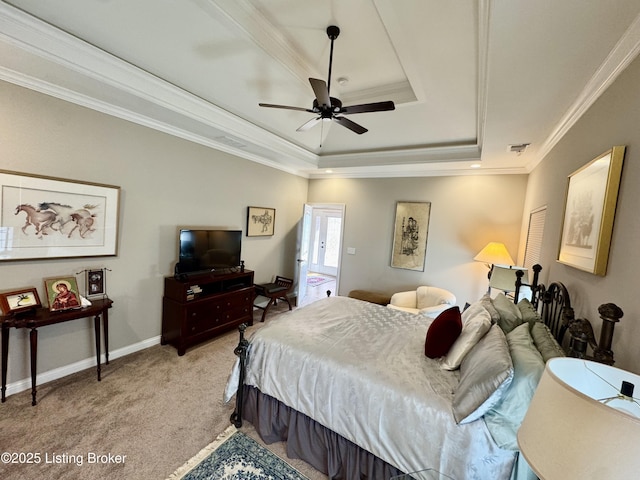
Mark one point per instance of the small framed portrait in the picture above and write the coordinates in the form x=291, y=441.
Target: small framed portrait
x=19, y=300
x=62, y=293
x=95, y=281
x=260, y=221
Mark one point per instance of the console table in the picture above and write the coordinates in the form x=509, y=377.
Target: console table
x=42, y=317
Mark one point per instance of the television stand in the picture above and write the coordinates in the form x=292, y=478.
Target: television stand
x=199, y=307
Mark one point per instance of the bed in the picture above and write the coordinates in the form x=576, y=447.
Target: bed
x=350, y=388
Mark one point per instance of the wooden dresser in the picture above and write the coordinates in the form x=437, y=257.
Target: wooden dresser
x=196, y=308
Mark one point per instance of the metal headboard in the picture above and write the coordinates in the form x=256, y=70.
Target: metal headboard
x=552, y=302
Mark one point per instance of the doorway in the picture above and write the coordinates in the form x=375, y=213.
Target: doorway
x=319, y=251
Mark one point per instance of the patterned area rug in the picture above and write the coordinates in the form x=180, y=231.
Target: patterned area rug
x=315, y=280
x=235, y=456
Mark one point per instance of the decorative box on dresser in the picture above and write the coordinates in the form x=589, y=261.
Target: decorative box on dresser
x=196, y=308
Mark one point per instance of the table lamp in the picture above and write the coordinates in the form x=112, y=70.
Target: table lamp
x=583, y=422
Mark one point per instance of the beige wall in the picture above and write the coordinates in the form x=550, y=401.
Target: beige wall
x=612, y=120
x=165, y=182
x=466, y=214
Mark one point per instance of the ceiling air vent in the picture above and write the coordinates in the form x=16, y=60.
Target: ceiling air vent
x=518, y=148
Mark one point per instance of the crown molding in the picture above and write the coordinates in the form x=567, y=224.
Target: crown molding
x=625, y=51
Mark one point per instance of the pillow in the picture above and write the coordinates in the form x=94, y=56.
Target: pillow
x=485, y=374
x=528, y=313
x=510, y=316
x=487, y=303
x=545, y=342
x=503, y=420
x=442, y=332
x=473, y=329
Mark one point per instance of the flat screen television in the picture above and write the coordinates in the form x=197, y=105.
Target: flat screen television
x=208, y=250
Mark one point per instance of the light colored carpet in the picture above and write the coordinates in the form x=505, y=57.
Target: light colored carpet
x=153, y=408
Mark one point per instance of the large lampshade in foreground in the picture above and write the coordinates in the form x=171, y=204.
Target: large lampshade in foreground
x=579, y=426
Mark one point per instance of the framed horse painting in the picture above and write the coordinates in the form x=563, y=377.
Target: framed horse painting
x=47, y=217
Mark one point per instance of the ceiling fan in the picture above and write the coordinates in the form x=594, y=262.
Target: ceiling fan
x=330, y=108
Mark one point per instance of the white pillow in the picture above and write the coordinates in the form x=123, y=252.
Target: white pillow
x=474, y=327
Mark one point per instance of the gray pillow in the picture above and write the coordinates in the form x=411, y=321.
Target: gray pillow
x=528, y=313
x=487, y=303
x=504, y=419
x=545, y=342
x=510, y=316
x=485, y=374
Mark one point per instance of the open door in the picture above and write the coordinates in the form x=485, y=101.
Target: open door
x=302, y=259
x=319, y=250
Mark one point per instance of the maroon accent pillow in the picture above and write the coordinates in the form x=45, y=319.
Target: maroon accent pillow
x=443, y=332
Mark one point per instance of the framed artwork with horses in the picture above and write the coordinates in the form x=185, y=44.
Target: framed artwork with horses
x=260, y=221
x=47, y=217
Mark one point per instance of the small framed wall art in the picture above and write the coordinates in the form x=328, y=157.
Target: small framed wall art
x=260, y=221
x=410, y=235
x=19, y=300
x=590, y=209
x=96, y=282
x=62, y=293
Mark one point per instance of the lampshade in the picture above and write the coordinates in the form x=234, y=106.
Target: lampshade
x=495, y=253
x=579, y=426
x=504, y=278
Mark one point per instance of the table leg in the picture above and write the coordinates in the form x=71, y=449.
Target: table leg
x=5, y=358
x=96, y=326
x=105, y=331
x=33, y=337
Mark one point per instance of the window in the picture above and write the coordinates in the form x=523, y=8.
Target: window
x=534, y=237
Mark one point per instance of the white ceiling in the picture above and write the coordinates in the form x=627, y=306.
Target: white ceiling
x=469, y=78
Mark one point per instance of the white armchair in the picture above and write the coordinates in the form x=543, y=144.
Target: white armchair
x=430, y=301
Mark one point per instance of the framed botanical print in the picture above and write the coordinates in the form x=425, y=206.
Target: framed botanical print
x=590, y=209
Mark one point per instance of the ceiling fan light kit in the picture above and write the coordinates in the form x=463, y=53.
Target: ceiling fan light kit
x=330, y=108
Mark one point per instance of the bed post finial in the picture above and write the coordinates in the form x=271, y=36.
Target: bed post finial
x=241, y=352
x=610, y=314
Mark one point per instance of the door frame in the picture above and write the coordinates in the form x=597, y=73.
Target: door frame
x=340, y=207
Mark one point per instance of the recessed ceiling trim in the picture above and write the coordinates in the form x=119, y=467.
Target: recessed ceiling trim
x=250, y=21
x=455, y=153
x=625, y=51
x=85, y=63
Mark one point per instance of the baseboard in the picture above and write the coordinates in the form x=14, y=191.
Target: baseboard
x=48, y=376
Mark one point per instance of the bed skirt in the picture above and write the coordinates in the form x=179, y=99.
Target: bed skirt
x=307, y=440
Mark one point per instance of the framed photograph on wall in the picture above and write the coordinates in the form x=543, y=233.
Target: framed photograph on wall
x=260, y=221
x=410, y=235
x=96, y=283
x=590, y=209
x=46, y=217
x=19, y=300
x=62, y=293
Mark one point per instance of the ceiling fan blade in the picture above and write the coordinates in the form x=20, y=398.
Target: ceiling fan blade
x=353, y=126
x=286, y=107
x=307, y=125
x=368, y=107
x=321, y=91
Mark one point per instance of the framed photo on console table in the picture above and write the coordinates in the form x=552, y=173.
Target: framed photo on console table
x=19, y=300
x=590, y=209
x=47, y=217
x=260, y=221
